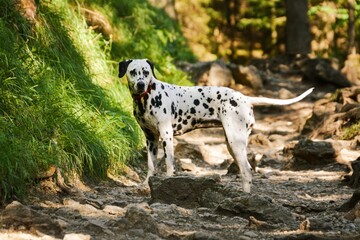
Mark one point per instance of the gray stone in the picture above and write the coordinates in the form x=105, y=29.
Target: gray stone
x=248, y=76
x=15, y=215
x=247, y=205
x=184, y=191
x=138, y=218
x=209, y=192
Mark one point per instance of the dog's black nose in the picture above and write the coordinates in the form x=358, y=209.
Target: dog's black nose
x=140, y=86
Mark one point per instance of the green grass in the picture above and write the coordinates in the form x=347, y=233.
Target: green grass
x=351, y=132
x=61, y=102
x=143, y=31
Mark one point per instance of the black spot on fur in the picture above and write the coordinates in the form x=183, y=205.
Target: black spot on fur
x=233, y=103
x=219, y=96
x=193, y=122
x=209, y=100
x=149, y=135
x=180, y=112
x=173, y=110
x=205, y=106
x=162, y=86
x=211, y=110
x=156, y=102
x=192, y=110
x=196, y=102
x=164, y=110
x=146, y=73
x=133, y=72
x=153, y=86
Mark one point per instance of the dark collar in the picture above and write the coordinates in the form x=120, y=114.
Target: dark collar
x=140, y=96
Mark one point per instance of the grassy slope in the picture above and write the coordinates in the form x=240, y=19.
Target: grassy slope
x=60, y=100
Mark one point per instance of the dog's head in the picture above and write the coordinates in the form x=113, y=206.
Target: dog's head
x=139, y=73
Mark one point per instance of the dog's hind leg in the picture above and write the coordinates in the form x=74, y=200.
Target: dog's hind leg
x=236, y=136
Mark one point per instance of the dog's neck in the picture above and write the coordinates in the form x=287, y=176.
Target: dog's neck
x=138, y=97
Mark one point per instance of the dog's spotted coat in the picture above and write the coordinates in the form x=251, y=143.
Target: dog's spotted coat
x=165, y=110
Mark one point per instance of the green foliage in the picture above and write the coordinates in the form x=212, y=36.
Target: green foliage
x=61, y=103
x=351, y=132
x=143, y=31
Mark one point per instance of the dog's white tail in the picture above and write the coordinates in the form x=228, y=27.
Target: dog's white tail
x=271, y=101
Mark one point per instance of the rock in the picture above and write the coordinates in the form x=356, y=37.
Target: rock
x=233, y=169
x=251, y=234
x=184, y=150
x=353, y=213
x=96, y=225
x=201, y=236
x=209, y=192
x=247, y=205
x=314, y=153
x=331, y=116
x=114, y=210
x=321, y=71
x=259, y=225
x=98, y=22
x=285, y=94
x=15, y=215
x=27, y=9
x=138, y=218
x=248, y=76
x=83, y=209
x=184, y=191
x=351, y=68
x=353, y=179
x=316, y=224
x=187, y=165
x=77, y=236
x=213, y=73
x=259, y=140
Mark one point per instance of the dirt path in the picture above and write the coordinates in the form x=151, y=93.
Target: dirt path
x=121, y=208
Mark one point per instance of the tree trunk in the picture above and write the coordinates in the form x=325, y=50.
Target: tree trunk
x=352, y=64
x=297, y=27
x=351, y=27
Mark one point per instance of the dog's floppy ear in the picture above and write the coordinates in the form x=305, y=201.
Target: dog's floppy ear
x=123, y=67
x=152, y=67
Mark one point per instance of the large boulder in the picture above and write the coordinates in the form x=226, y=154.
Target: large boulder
x=184, y=190
x=309, y=154
x=209, y=192
x=322, y=71
x=248, y=76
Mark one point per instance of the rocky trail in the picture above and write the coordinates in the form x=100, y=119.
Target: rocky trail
x=293, y=197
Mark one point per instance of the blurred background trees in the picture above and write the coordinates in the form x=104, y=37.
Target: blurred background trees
x=238, y=30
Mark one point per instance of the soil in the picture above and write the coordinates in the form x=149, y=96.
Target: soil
x=121, y=208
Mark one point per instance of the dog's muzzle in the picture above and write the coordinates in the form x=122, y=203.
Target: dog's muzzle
x=140, y=87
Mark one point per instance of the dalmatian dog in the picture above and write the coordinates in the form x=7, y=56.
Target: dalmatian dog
x=164, y=110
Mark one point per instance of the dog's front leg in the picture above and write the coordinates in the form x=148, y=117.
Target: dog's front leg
x=166, y=133
x=152, y=142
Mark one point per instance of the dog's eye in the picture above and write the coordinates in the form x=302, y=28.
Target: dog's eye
x=133, y=73
x=146, y=73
